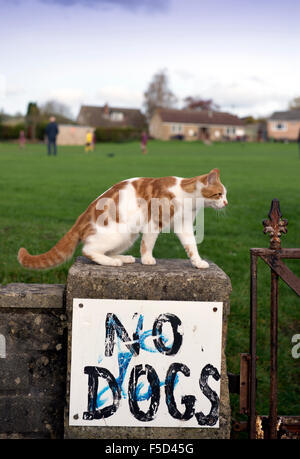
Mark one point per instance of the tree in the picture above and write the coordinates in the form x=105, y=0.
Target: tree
x=2, y=115
x=158, y=94
x=295, y=104
x=32, y=118
x=197, y=103
x=56, y=108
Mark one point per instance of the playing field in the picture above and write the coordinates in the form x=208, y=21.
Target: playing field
x=42, y=196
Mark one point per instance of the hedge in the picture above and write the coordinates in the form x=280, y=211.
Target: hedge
x=103, y=134
x=11, y=132
x=107, y=134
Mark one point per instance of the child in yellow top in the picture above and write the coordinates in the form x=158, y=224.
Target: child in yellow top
x=88, y=142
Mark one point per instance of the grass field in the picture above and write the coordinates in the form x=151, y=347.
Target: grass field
x=42, y=196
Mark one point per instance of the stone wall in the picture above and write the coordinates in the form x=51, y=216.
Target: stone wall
x=35, y=344
x=32, y=361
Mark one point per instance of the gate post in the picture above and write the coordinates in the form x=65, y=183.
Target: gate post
x=170, y=279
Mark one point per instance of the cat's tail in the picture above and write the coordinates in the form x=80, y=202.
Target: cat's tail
x=60, y=253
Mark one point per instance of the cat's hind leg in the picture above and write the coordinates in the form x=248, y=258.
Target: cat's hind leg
x=105, y=249
x=126, y=243
x=102, y=259
x=124, y=258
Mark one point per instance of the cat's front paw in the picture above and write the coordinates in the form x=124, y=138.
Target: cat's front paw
x=200, y=264
x=148, y=260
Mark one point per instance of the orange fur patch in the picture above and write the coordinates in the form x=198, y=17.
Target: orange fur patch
x=159, y=188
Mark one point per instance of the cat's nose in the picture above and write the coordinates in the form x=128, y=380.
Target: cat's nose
x=225, y=202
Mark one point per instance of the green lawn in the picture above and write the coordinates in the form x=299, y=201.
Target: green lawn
x=42, y=196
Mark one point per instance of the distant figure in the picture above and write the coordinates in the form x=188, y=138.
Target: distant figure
x=51, y=133
x=22, y=139
x=144, y=140
x=89, y=141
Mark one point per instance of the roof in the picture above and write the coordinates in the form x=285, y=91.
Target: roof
x=102, y=116
x=286, y=116
x=199, y=117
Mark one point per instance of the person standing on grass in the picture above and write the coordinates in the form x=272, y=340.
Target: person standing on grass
x=89, y=142
x=144, y=140
x=22, y=139
x=51, y=133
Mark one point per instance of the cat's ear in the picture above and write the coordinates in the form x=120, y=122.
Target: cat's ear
x=213, y=176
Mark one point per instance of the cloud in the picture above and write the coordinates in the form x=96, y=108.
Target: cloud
x=66, y=95
x=184, y=74
x=119, y=96
x=71, y=97
x=2, y=87
x=243, y=95
x=8, y=90
x=131, y=5
x=249, y=95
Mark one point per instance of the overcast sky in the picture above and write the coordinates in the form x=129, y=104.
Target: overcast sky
x=245, y=54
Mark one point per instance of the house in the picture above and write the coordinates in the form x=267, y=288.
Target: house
x=255, y=130
x=111, y=117
x=71, y=134
x=284, y=125
x=204, y=125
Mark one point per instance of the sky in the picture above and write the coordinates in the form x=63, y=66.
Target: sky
x=244, y=54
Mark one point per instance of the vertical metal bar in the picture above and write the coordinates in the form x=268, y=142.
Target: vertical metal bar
x=253, y=320
x=273, y=356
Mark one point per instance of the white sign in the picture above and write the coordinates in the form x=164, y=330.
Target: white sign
x=145, y=363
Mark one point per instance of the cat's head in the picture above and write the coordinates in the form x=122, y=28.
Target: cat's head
x=213, y=191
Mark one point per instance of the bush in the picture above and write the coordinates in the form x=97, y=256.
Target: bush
x=125, y=134
x=11, y=132
x=40, y=130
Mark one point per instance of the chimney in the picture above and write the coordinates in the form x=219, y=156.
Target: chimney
x=106, y=110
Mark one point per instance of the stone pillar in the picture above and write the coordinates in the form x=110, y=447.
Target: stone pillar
x=32, y=360
x=171, y=279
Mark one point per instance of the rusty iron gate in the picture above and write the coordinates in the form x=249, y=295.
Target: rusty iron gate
x=271, y=426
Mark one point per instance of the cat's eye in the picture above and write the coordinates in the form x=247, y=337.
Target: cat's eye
x=216, y=195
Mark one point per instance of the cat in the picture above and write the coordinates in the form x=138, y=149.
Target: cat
x=113, y=221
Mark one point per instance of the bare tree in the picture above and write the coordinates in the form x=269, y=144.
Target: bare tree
x=197, y=103
x=295, y=104
x=158, y=94
x=54, y=107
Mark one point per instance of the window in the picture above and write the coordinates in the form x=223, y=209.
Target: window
x=279, y=126
x=176, y=128
x=116, y=116
x=230, y=131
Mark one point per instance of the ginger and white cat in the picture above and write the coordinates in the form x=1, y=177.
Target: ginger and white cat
x=113, y=222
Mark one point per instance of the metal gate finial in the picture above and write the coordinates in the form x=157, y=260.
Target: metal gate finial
x=275, y=225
